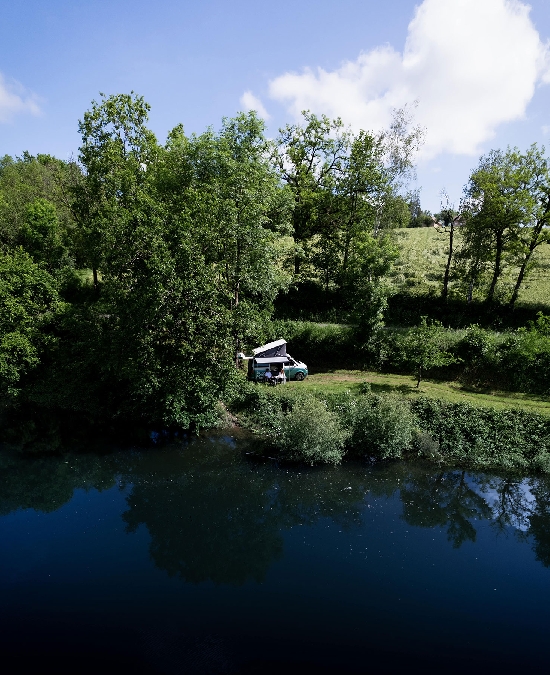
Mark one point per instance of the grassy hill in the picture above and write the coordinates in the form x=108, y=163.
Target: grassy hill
x=423, y=257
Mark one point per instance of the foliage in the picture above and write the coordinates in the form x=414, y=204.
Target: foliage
x=525, y=358
x=42, y=237
x=483, y=437
x=28, y=304
x=311, y=433
x=382, y=427
x=316, y=427
x=27, y=180
x=425, y=347
x=478, y=350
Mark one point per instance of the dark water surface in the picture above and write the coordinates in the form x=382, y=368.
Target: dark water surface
x=192, y=558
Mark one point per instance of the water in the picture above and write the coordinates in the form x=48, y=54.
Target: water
x=193, y=558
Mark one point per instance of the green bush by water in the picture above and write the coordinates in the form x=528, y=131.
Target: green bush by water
x=312, y=428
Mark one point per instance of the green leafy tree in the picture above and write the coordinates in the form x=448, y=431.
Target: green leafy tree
x=28, y=304
x=42, y=236
x=158, y=332
x=535, y=231
x=498, y=203
x=116, y=151
x=425, y=348
x=310, y=158
x=29, y=180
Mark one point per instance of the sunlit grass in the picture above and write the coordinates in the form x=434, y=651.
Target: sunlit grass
x=424, y=255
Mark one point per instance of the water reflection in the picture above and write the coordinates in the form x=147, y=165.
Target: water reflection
x=214, y=515
x=447, y=500
x=47, y=483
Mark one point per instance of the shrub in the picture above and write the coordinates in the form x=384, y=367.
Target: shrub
x=484, y=437
x=311, y=433
x=382, y=427
x=478, y=351
x=525, y=358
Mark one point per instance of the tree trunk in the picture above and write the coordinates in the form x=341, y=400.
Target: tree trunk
x=448, y=266
x=419, y=377
x=532, y=246
x=497, y=267
x=471, y=290
x=96, y=285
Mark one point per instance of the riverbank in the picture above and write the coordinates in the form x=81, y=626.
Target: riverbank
x=321, y=423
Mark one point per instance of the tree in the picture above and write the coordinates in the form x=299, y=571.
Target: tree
x=158, y=331
x=41, y=235
x=425, y=348
x=27, y=180
x=28, y=304
x=116, y=150
x=498, y=202
x=310, y=158
x=240, y=214
x=535, y=232
x=448, y=219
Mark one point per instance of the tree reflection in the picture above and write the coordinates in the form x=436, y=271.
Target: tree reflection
x=539, y=520
x=511, y=504
x=47, y=483
x=444, y=499
x=214, y=517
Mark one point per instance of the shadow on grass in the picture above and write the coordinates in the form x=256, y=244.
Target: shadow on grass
x=378, y=388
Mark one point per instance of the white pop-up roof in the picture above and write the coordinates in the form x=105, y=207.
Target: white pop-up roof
x=277, y=348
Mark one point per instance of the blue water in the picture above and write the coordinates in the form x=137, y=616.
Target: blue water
x=193, y=558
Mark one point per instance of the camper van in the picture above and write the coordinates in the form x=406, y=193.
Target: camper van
x=273, y=359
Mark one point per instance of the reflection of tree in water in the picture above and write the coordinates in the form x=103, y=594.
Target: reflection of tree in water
x=539, y=521
x=511, y=506
x=444, y=499
x=46, y=483
x=212, y=516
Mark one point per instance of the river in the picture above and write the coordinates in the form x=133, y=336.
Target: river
x=195, y=557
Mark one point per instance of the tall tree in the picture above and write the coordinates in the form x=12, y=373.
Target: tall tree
x=498, y=202
x=446, y=223
x=310, y=160
x=535, y=232
x=116, y=151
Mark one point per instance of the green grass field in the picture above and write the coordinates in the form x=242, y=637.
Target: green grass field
x=424, y=254
x=404, y=385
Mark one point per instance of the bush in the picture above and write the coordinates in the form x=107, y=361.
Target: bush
x=311, y=433
x=484, y=437
x=382, y=427
x=478, y=350
x=525, y=358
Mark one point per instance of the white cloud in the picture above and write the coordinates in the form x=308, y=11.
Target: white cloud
x=251, y=102
x=471, y=64
x=15, y=99
x=545, y=129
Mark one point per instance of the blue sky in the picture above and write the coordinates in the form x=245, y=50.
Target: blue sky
x=479, y=69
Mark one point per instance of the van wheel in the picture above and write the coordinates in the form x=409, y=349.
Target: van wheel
x=299, y=377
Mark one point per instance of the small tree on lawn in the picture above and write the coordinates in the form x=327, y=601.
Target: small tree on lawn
x=425, y=348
